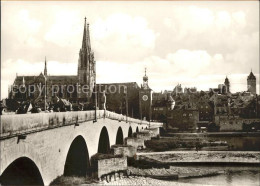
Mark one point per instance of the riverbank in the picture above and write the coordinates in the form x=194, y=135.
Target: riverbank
x=205, y=141
x=200, y=157
x=213, y=134
x=232, y=176
x=174, y=172
x=145, y=181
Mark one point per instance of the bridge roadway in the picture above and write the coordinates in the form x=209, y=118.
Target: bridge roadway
x=44, y=146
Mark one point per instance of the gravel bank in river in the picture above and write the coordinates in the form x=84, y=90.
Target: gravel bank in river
x=203, y=156
x=180, y=172
x=146, y=181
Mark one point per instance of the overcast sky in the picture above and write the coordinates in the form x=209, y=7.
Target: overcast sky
x=191, y=43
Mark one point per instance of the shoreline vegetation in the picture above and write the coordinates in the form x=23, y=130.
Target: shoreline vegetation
x=204, y=141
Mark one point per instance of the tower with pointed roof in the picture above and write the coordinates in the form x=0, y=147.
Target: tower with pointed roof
x=227, y=83
x=45, y=67
x=251, y=83
x=145, y=99
x=145, y=80
x=86, y=65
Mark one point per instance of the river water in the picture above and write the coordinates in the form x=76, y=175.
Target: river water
x=240, y=143
x=232, y=176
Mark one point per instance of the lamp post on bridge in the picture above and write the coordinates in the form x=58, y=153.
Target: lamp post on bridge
x=126, y=102
x=95, y=92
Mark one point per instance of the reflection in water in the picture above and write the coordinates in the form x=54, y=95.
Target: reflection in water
x=240, y=143
x=232, y=176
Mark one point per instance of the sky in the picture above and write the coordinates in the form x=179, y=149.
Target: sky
x=195, y=44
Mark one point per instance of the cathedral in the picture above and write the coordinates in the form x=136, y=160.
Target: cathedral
x=76, y=89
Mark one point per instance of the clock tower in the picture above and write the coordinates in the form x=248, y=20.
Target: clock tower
x=145, y=99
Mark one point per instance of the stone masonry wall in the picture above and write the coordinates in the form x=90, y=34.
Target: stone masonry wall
x=107, y=166
x=145, y=135
x=135, y=142
x=128, y=151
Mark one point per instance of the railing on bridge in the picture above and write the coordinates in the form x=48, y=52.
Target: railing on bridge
x=17, y=124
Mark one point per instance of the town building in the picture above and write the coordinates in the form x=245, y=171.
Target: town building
x=177, y=89
x=222, y=88
x=190, y=90
x=206, y=112
x=127, y=98
x=183, y=119
x=122, y=98
x=162, y=104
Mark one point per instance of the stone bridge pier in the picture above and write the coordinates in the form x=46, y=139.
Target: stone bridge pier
x=37, y=148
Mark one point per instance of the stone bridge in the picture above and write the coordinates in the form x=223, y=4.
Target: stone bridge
x=44, y=146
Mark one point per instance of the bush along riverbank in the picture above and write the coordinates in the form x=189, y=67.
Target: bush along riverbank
x=176, y=143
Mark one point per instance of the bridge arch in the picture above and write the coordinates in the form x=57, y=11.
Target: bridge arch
x=103, y=143
x=137, y=129
x=119, y=136
x=77, y=160
x=22, y=171
x=130, y=132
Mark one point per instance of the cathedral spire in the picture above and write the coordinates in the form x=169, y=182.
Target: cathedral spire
x=23, y=85
x=45, y=67
x=86, y=38
x=86, y=63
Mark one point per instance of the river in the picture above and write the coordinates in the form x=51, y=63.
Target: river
x=232, y=176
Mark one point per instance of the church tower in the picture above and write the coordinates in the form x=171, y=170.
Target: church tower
x=251, y=83
x=45, y=67
x=145, y=99
x=86, y=66
x=227, y=83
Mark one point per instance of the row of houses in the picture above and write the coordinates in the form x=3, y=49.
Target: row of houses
x=195, y=110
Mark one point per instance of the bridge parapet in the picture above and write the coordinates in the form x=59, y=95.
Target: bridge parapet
x=17, y=124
